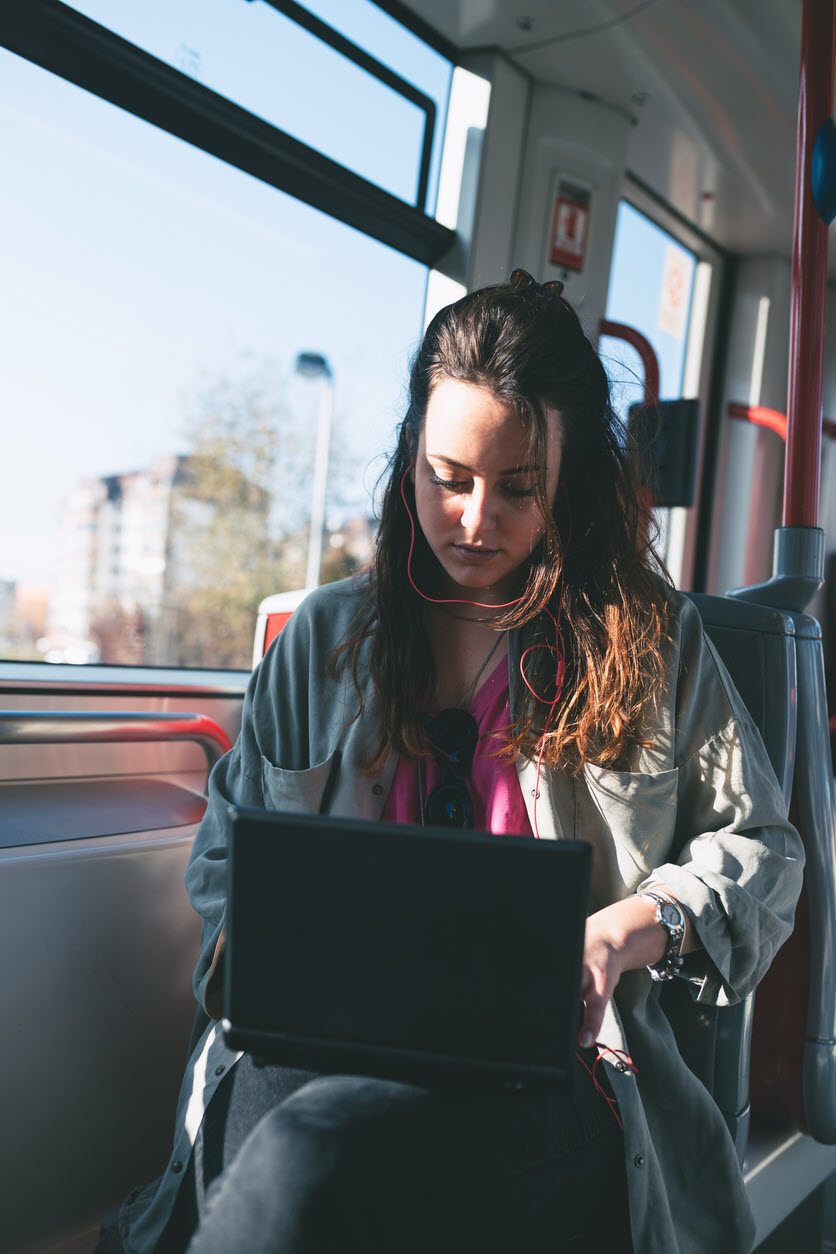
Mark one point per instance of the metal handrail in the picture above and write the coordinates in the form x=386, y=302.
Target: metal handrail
x=642, y=345
x=49, y=727
x=772, y=419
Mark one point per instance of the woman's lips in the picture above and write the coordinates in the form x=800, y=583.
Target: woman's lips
x=479, y=556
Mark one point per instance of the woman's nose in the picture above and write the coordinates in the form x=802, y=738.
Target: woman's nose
x=479, y=512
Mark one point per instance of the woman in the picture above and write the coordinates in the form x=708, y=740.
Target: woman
x=511, y=582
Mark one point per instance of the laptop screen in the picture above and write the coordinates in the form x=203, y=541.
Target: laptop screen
x=398, y=940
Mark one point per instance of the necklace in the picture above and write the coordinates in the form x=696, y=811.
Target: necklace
x=474, y=681
x=466, y=618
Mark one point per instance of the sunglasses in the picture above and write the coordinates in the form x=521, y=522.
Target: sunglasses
x=452, y=736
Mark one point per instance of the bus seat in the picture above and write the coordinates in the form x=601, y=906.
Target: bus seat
x=273, y=613
x=757, y=645
x=794, y=1040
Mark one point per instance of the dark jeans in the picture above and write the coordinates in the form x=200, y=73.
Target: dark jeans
x=286, y=1163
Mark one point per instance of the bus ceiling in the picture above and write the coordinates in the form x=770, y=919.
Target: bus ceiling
x=710, y=95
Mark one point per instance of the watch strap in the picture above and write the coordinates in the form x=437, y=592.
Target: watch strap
x=670, y=962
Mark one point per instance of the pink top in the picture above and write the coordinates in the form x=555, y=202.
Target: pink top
x=498, y=804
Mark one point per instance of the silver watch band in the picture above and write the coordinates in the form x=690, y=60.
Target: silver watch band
x=670, y=962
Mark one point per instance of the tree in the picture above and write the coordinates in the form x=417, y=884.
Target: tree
x=234, y=499
x=221, y=556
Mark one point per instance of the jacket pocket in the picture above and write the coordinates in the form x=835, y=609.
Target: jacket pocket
x=639, y=812
x=301, y=791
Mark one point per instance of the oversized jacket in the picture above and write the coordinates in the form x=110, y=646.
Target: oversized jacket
x=700, y=810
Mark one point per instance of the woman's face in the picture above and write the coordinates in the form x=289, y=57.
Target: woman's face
x=475, y=491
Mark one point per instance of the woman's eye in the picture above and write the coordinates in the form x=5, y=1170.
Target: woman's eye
x=513, y=490
x=453, y=485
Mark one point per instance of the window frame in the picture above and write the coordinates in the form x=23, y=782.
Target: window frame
x=365, y=61
x=69, y=44
x=641, y=197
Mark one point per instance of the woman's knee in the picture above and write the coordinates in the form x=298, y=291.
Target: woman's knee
x=324, y=1137
x=289, y=1187
x=340, y=1124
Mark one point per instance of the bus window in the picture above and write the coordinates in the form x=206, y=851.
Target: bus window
x=650, y=288
x=160, y=308
x=342, y=101
x=657, y=287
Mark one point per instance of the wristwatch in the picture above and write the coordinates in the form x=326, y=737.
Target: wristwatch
x=672, y=918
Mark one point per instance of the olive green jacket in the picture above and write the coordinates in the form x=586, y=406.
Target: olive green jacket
x=700, y=810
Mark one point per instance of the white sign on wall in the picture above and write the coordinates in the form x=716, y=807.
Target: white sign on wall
x=675, y=294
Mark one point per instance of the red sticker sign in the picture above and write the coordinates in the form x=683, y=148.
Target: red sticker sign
x=570, y=226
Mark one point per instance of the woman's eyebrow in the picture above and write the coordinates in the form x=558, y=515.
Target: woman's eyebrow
x=449, y=461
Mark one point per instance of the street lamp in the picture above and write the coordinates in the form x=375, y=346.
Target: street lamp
x=315, y=366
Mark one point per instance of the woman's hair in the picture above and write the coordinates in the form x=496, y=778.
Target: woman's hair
x=593, y=568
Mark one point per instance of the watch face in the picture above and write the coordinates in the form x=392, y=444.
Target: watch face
x=670, y=915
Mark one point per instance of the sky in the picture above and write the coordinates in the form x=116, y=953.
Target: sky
x=136, y=267
x=639, y=259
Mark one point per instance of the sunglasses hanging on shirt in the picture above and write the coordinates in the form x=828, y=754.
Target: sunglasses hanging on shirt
x=452, y=735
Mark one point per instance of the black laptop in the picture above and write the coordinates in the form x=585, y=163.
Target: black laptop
x=426, y=955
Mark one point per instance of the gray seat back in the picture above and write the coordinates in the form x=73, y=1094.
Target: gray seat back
x=757, y=645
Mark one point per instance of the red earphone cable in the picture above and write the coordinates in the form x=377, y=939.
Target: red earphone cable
x=625, y=1062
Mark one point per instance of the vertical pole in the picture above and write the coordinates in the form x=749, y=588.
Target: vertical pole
x=323, y=440
x=809, y=272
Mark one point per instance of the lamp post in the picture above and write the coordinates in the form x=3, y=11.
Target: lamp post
x=315, y=366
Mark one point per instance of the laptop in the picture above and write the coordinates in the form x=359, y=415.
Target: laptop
x=432, y=956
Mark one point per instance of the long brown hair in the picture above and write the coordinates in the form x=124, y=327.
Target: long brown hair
x=594, y=564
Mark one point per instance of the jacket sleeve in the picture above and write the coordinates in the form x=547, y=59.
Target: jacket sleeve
x=235, y=780
x=737, y=862
x=274, y=733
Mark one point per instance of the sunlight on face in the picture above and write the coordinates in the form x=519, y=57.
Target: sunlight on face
x=475, y=491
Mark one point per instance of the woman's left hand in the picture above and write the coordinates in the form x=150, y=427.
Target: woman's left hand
x=622, y=937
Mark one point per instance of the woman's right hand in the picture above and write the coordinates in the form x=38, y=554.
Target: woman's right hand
x=622, y=937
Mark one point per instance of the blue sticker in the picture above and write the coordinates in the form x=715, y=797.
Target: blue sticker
x=823, y=171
